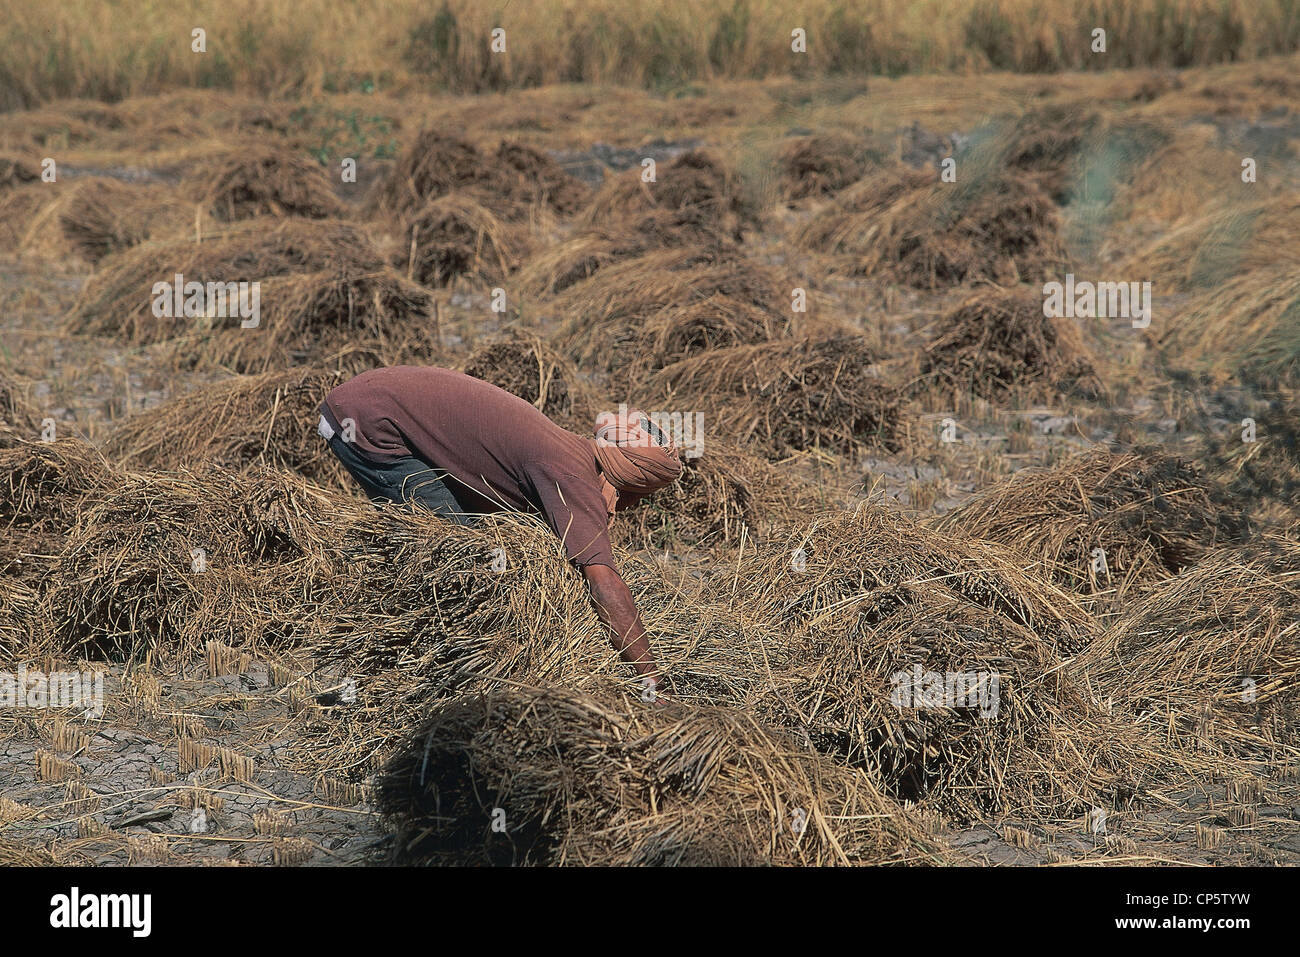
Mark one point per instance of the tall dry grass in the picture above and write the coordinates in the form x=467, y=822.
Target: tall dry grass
x=103, y=50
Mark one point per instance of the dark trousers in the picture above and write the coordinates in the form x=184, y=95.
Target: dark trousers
x=406, y=481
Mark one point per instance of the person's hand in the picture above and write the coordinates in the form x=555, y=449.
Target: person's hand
x=651, y=688
x=654, y=692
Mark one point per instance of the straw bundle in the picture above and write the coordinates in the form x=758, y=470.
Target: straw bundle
x=160, y=566
x=647, y=312
x=118, y=299
x=434, y=165
x=323, y=292
x=599, y=779
x=1206, y=251
x=332, y=317
x=45, y=482
x=268, y=419
x=559, y=267
x=821, y=165
x=17, y=170
x=871, y=600
x=89, y=217
x=23, y=196
x=24, y=210
x=1212, y=656
x=255, y=180
x=45, y=488
x=511, y=182
x=928, y=234
x=550, y=184
x=1268, y=468
x=1151, y=514
x=529, y=368
x=876, y=560
x=18, y=601
x=101, y=216
x=1077, y=156
x=69, y=123
x=1047, y=143
x=722, y=495
x=454, y=236
x=164, y=563
x=18, y=418
x=696, y=180
x=789, y=396
x=999, y=341
x=1246, y=329
x=1172, y=181
x=421, y=609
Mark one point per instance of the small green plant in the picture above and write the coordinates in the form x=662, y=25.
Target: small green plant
x=346, y=133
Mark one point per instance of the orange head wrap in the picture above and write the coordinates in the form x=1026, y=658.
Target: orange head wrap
x=632, y=461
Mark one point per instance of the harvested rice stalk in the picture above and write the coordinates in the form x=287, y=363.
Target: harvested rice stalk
x=355, y=322
x=18, y=603
x=1103, y=519
x=19, y=420
x=1047, y=144
x=101, y=216
x=929, y=235
x=648, y=312
x=44, y=490
x=47, y=483
x=823, y=164
x=69, y=123
x=1265, y=472
x=695, y=180
x=1246, y=329
x=89, y=217
x=26, y=220
x=119, y=299
x=598, y=779
x=877, y=560
x=162, y=566
x=454, y=236
x=510, y=183
x=789, y=396
x=256, y=180
x=529, y=368
x=722, y=494
x=935, y=662
x=559, y=267
x=1205, y=251
x=551, y=185
x=434, y=165
x=423, y=610
x=999, y=341
x=16, y=170
x=1220, y=639
x=267, y=419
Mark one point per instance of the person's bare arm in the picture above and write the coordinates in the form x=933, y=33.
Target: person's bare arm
x=617, y=609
